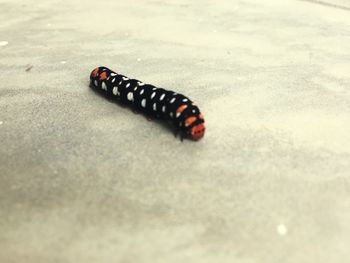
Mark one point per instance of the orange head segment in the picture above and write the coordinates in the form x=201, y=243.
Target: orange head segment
x=94, y=73
x=103, y=75
x=197, y=131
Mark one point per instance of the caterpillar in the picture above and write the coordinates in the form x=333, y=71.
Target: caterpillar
x=155, y=102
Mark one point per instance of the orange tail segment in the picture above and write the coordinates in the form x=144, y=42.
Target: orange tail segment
x=197, y=131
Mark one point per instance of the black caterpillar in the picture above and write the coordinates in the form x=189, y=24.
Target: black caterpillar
x=155, y=102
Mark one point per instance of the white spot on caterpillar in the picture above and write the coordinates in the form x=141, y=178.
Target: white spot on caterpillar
x=153, y=94
x=178, y=114
x=125, y=78
x=3, y=43
x=162, y=97
x=143, y=103
x=115, y=91
x=113, y=80
x=104, y=87
x=193, y=111
x=96, y=83
x=163, y=109
x=120, y=83
x=130, y=96
x=113, y=74
x=172, y=100
x=135, y=88
x=141, y=92
x=140, y=83
x=154, y=106
x=171, y=114
x=128, y=85
x=184, y=100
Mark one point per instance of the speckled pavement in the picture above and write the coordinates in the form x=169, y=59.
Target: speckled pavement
x=83, y=179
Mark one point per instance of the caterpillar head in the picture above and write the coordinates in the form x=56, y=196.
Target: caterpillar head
x=197, y=131
x=94, y=73
x=195, y=127
x=191, y=120
x=99, y=74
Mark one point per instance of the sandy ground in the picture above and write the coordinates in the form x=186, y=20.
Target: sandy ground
x=85, y=180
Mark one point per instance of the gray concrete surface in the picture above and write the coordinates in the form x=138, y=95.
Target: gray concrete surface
x=85, y=180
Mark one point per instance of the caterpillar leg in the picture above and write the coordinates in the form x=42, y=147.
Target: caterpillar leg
x=135, y=111
x=179, y=133
x=148, y=117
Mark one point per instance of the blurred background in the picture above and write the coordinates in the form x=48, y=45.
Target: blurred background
x=83, y=179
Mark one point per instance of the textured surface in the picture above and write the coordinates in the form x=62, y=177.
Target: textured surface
x=85, y=180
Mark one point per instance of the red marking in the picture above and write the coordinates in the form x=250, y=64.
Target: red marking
x=197, y=131
x=94, y=73
x=190, y=120
x=181, y=108
x=103, y=75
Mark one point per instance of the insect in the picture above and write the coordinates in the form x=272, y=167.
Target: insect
x=155, y=102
